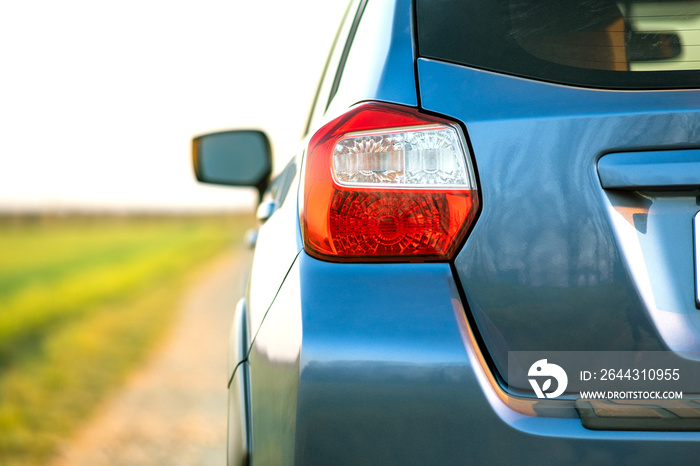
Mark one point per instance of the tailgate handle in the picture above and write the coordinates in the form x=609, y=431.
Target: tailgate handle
x=649, y=170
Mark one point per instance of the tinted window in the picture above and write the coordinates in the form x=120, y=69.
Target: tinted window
x=599, y=43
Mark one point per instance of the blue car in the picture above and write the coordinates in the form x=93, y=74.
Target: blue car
x=487, y=249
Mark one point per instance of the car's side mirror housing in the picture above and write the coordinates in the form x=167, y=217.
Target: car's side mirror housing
x=233, y=158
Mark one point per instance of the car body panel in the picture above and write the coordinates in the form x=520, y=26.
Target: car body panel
x=348, y=389
x=380, y=63
x=544, y=259
x=238, y=342
x=274, y=375
x=274, y=255
x=273, y=260
x=238, y=451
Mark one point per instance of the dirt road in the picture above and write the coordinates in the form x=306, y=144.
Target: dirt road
x=173, y=410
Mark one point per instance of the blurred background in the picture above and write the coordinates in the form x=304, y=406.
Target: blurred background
x=99, y=100
x=104, y=231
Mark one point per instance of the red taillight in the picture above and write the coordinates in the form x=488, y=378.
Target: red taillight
x=384, y=182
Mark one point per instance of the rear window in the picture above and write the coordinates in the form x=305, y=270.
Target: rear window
x=596, y=43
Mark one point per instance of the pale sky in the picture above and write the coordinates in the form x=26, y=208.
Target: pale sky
x=99, y=99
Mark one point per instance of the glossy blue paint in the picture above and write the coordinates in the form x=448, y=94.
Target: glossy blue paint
x=382, y=362
x=543, y=268
x=380, y=65
x=384, y=374
x=480, y=96
x=274, y=375
x=274, y=255
x=650, y=170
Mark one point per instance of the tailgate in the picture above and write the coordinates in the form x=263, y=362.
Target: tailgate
x=557, y=261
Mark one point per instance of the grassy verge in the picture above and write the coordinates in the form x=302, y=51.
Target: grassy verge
x=81, y=303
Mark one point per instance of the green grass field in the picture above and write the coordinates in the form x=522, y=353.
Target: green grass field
x=82, y=301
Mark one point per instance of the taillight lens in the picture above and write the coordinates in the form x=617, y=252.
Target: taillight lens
x=384, y=182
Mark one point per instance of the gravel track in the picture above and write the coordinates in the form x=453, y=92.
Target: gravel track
x=173, y=410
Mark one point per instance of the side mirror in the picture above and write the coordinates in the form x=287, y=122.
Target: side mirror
x=234, y=158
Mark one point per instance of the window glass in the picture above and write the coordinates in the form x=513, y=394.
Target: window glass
x=601, y=43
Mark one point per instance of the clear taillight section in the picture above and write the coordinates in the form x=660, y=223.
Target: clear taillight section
x=420, y=156
x=384, y=182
